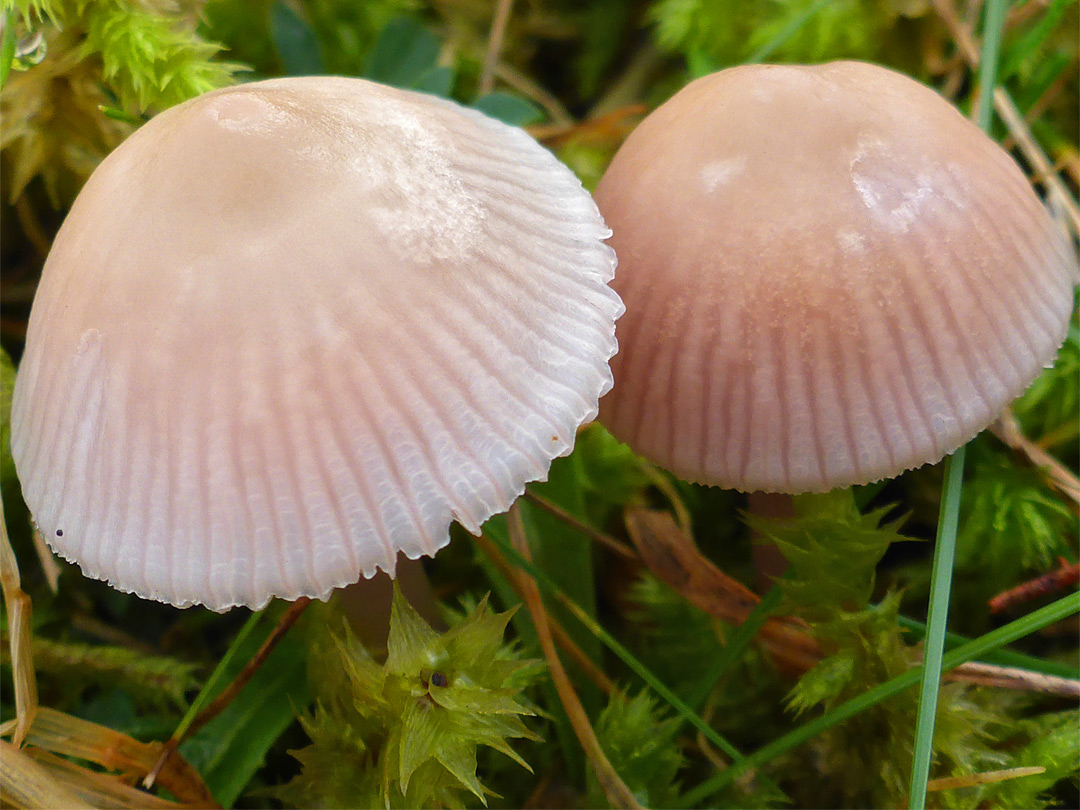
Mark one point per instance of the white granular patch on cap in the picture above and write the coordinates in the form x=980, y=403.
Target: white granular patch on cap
x=405, y=161
x=363, y=313
x=411, y=159
x=891, y=196
x=720, y=172
x=850, y=241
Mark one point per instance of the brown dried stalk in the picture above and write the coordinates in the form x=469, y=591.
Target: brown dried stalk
x=562, y=638
x=1014, y=121
x=616, y=791
x=19, y=610
x=229, y=693
x=1066, y=575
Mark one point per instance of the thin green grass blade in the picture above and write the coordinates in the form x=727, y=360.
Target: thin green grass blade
x=210, y=688
x=7, y=48
x=934, y=647
x=916, y=630
x=945, y=549
x=496, y=533
x=766, y=50
x=993, y=26
x=735, y=647
x=995, y=639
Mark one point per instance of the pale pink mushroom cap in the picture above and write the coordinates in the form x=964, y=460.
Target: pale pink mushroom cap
x=292, y=327
x=830, y=276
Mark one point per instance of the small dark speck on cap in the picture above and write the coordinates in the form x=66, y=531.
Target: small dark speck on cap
x=59, y=532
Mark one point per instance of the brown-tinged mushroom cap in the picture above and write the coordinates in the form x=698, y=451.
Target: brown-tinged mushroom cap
x=830, y=276
x=293, y=327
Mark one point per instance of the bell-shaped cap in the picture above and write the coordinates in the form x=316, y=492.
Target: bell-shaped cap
x=294, y=327
x=830, y=276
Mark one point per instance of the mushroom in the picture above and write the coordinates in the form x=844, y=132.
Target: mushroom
x=293, y=327
x=830, y=276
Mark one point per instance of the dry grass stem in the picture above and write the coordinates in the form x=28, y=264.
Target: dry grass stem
x=68, y=736
x=562, y=638
x=35, y=233
x=534, y=91
x=19, y=611
x=1022, y=680
x=580, y=526
x=610, y=128
x=494, y=47
x=1066, y=575
x=671, y=555
x=24, y=782
x=616, y=791
x=1010, y=115
x=229, y=693
x=1007, y=428
x=985, y=778
x=49, y=566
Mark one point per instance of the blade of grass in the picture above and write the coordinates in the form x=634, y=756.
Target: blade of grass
x=934, y=647
x=210, y=688
x=736, y=646
x=614, y=788
x=945, y=549
x=1005, y=658
x=7, y=47
x=995, y=639
x=496, y=533
x=993, y=26
x=786, y=33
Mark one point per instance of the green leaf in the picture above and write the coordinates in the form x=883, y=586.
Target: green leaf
x=833, y=551
x=458, y=756
x=439, y=81
x=412, y=645
x=231, y=747
x=152, y=59
x=295, y=41
x=7, y=52
x=1032, y=40
x=7, y=389
x=406, y=55
x=509, y=109
x=415, y=725
x=995, y=639
x=420, y=733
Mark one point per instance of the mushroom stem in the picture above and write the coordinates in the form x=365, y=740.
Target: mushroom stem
x=367, y=602
x=769, y=562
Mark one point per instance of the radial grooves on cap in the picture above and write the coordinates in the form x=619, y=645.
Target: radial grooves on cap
x=337, y=456
x=356, y=494
x=395, y=500
x=812, y=373
x=288, y=368
x=984, y=374
x=878, y=394
x=329, y=439
x=944, y=285
x=992, y=313
x=675, y=368
x=82, y=405
x=423, y=398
